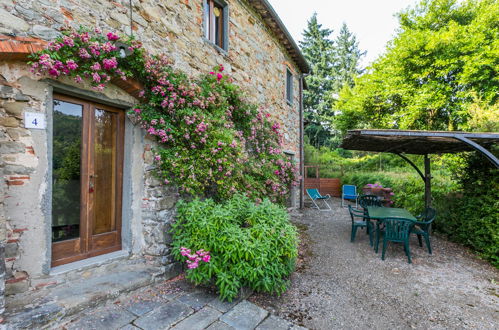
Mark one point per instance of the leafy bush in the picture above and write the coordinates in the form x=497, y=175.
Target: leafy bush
x=471, y=217
x=408, y=188
x=471, y=221
x=250, y=245
x=338, y=162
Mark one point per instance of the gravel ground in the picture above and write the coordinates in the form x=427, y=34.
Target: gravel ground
x=343, y=285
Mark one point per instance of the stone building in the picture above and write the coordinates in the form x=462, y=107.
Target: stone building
x=41, y=255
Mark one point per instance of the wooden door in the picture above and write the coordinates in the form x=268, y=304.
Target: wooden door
x=87, y=163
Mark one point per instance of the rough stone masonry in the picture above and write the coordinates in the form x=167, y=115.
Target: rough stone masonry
x=256, y=59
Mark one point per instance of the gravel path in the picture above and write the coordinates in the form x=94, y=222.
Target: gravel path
x=343, y=285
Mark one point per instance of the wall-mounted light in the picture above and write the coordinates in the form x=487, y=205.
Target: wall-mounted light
x=124, y=51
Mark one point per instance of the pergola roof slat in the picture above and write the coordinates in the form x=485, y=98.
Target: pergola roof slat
x=421, y=143
x=415, y=142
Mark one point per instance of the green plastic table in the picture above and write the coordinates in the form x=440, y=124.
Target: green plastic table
x=380, y=213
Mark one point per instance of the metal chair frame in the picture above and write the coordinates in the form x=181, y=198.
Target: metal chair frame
x=315, y=195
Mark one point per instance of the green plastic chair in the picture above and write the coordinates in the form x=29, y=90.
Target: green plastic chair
x=364, y=202
x=422, y=227
x=396, y=230
x=365, y=223
x=369, y=200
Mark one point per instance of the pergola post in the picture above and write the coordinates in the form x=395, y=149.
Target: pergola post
x=427, y=181
x=426, y=176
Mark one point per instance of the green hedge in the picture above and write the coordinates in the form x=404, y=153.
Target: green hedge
x=472, y=221
x=471, y=217
x=408, y=188
x=250, y=245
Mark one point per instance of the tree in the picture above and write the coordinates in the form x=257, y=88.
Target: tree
x=347, y=56
x=444, y=58
x=317, y=47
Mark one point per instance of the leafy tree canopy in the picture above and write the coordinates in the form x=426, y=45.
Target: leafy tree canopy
x=440, y=68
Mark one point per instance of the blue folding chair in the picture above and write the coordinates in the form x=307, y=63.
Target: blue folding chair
x=349, y=192
x=316, y=196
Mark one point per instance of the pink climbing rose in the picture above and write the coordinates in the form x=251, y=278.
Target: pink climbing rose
x=71, y=65
x=112, y=37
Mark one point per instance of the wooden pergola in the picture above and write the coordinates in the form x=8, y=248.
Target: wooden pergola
x=424, y=143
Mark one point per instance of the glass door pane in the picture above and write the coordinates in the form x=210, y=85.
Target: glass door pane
x=105, y=171
x=66, y=160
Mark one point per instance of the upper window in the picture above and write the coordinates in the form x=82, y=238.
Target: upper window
x=216, y=17
x=289, y=86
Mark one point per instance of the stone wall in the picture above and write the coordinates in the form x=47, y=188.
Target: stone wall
x=158, y=210
x=3, y=235
x=255, y=59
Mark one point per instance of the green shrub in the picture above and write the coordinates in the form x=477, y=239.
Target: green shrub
x=471, y=217
x=408, y=188
x=471, y=221
x=250, y=245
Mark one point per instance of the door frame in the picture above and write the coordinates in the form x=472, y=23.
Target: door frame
x=85, y=242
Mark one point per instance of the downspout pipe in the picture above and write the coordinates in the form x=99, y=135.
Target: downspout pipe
x=302, y=156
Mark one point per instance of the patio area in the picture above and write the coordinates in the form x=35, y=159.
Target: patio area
x=337, y=285
x=346, y=285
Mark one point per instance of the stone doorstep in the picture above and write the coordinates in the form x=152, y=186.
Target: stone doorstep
x=175, y=314
x=36, y=309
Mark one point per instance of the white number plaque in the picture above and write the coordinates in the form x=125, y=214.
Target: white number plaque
x=34, y=120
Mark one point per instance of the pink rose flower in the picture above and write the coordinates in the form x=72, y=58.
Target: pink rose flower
x=83, y=53
x=54, y=72
x=96, y=66
x=84, y=37
x=108, y=47
x=109, y=64
x=112, y=37
x=68, y=41
x=71, y=65
x=96, y=77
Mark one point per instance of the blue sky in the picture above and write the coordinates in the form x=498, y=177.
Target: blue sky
x=373, y=21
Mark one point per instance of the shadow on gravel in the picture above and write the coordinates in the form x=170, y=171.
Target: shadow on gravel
x=343, y=285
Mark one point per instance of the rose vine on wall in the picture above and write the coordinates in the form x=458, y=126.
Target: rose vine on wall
x=211, y=141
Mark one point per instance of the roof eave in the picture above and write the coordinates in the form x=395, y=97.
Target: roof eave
x=273, y=21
